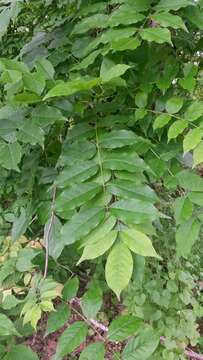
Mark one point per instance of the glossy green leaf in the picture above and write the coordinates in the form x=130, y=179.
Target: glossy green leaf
x=72, y=337
x=161, y=121
x=192, y=139
x=57, y=318
x=122, y=327
x=119, y=268
x=174, y=104
x=159, y=35
x=99, y=247
x=93, y=351
x=138, y=242
x=177, y=128
x=81, y=224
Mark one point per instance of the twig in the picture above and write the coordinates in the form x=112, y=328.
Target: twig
x=47, y=233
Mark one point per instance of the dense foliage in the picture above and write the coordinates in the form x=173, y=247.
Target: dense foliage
x=100, y=171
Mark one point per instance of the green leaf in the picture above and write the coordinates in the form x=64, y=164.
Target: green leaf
x=124, y=189
x=91, y=301
x=158, y=35
x=196, y=198
x=55, y=241
x=192, y=139
x=166, y=19
x=20, y=224
x=161, y=121
x=119, y=268
x=57, y=318
x=183, y=209
x=177, y=128
x=99, y=247
x=186, y=236
x=93, y=351
x=123, y=327
x=134, y=211
x=71, y=338
x=24, y=260
x=34, y=82
x=89, y=60
x=5, y=17
x=45, y=68
x=198, y=154
x=124, y=15
x=94, y=21
x=174, y=104
x=70, y=289
x=194, y=111
x=81, y=224
x=123, y=160
x=122, y=44
x=165, y=5
x=138, y=242
x=141, y=99
x=20, y=352
x=76, y=195
x=114, y=72
x=31, y=133
x=10, y=155
x=6, y=326
x=142, y=346
x=189, y=181
x=72, y=87
x=78, y=151
x=117, y=139
x=100, y=231
x=44, y=115
x=76, y=173
x=195, y=15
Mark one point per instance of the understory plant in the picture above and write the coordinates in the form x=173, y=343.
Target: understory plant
x=101, y=151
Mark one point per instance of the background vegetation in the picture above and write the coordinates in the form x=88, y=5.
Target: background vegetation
x=101, y=124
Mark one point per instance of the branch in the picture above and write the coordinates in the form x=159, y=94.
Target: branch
x=47, y=232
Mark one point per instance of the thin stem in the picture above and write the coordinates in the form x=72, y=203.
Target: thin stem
x=154, y=152
x=47, y=233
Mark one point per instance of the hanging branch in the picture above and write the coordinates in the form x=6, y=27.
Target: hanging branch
x=47, y=232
